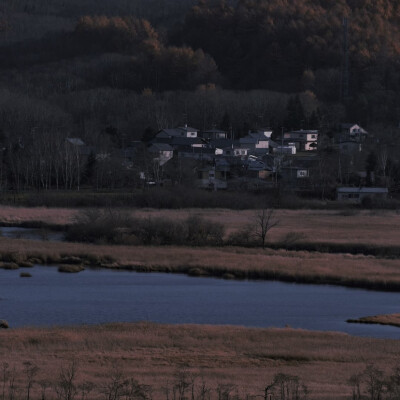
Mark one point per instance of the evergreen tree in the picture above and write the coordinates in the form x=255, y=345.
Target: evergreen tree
x=295, y=114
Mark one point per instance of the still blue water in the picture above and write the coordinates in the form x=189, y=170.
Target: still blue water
x=98, y=296
x=32, y=234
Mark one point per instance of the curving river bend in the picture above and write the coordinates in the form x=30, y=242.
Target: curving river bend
x=99, y=296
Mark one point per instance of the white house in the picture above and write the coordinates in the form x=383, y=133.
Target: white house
x=304, y=140
x=354, y=132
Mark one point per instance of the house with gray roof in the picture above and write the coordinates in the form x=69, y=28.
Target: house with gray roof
x=360, y=194
x=181, y=131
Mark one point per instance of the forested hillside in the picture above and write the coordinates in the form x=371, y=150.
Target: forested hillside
x=112, y=71
x=293, y=45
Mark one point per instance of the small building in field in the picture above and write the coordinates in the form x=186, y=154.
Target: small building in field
x=360, y=194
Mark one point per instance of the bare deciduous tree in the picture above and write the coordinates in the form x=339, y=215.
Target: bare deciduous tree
x=264, y=221
x=115, y=387
x=44, y=385
x=85, y=388
x=4, y=378
x=30, y=371
x=65, y=386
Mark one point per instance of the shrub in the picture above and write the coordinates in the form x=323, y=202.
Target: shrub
x=10, y=266
x=119, y=228
x=13, y=257
x=25, y=264
x=291, y=238
x=96, y=226
x=243, y=237
x=71, y=260
x=70, y=268
x=4, y=324
x=203, y=232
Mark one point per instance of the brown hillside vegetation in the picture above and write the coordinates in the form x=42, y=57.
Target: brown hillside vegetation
x=152, y=354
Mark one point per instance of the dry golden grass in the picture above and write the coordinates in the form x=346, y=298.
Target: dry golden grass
x=386, y=319
x=247, y=357
x=59, y=216
x=366, y=227
x=343, y=269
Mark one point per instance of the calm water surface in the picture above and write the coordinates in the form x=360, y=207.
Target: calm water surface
x=98, y=296
x=33, y=234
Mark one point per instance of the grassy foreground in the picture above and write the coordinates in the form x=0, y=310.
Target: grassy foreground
x=220, y=355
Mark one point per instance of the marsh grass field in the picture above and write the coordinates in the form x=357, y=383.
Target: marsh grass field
x=361, y=229
x=369, y=227
x=246, y=358
x=220, y=355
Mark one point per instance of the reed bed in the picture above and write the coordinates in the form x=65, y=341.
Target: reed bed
x=241, y=263
x=246, y=357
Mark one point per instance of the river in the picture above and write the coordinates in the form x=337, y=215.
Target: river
x=98, y=296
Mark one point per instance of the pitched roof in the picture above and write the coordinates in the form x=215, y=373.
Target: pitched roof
x=160, y=147
x=185, y=141
x=76, y=141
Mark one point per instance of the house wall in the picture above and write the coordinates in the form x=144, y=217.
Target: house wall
x=240, y=152
x=262, y=144
x=358, y=197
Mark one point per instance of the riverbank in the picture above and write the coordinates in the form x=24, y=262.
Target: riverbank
x=350, y=248
x=245, y=358
x=389, y=319
x=226, y=262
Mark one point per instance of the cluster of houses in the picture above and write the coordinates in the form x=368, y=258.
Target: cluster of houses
x=255, y=161
x=252, y=160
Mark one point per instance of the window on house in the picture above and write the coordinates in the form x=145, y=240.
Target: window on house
x=302, y=173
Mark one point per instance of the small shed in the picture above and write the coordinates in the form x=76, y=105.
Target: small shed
x=358, y=194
